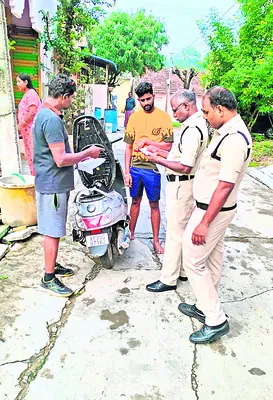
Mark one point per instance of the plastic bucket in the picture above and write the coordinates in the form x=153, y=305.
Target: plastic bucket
x=108, y=127
x=18, y=201
x=111, y=116
x=97, y=113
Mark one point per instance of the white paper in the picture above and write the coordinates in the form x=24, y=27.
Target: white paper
x=146, y=152
x=90, y=164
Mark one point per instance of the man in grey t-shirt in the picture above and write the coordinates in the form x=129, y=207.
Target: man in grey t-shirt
x=53, y=162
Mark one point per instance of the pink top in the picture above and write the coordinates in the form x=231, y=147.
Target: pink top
x=30, y=98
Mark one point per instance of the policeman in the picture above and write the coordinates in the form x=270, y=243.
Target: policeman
x=181, y=163
x=215, y=189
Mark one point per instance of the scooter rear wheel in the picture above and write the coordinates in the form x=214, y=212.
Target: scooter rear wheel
x=107, y=259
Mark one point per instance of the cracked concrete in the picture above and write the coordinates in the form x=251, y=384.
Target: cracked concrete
x=194, y=370
x=116, y=340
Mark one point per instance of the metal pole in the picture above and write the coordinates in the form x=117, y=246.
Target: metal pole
x=169, y=83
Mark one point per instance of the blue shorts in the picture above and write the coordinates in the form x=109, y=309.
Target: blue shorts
x=148, y=179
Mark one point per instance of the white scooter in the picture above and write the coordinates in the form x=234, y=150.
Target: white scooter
x=100, y=220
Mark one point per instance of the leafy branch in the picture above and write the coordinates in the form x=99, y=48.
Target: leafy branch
x=73, y=21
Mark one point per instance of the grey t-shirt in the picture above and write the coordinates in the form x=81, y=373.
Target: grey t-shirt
x=48, y=128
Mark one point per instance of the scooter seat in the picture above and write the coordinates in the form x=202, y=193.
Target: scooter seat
x=87, y=132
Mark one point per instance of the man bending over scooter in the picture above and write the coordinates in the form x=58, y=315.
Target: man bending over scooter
x=149, y=125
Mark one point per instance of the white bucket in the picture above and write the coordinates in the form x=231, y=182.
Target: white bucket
x=108, y=127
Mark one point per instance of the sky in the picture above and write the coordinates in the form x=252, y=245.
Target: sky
x=179, y=17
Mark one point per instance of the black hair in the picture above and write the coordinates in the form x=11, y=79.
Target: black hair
x=144, y=88
x=26, y=77
x=61, y=85
x=220, y=96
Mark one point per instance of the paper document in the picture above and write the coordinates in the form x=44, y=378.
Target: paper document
x=88, y=165
x=146, y=152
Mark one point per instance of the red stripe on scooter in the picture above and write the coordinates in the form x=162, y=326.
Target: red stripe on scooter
x=92, y=223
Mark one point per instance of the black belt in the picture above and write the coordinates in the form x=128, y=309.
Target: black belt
x=204, y=206
x=172, y=178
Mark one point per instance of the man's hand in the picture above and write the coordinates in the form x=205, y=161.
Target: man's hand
x=153, y=157
x=93, y=151
x=152, y=149
x=140, y=144
x=199, y=234
x=128, y=180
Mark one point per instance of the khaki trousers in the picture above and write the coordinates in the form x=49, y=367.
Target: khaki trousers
x=179, y=203
x=203, y=264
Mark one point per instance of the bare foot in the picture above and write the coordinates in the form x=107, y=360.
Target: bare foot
x=132, y=235
x=158, y=248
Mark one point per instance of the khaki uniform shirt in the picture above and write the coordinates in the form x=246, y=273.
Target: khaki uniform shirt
x=232, y=166
x=190, y=150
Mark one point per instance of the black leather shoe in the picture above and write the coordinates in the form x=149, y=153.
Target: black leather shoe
x=192, y=311
x=183, y=278
x=208, y=334
x=158, y=286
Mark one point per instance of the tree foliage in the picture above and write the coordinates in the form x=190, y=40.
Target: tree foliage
x=186, y=59
x=133, y=42
x=186, y=65
x=73, y=20
x=241, y=56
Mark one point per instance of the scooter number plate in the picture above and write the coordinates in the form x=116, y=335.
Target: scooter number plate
x=97, y=240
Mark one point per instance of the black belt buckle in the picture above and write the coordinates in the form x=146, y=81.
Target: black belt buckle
x=172, y=178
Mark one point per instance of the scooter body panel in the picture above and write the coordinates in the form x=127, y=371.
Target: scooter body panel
x=100, y=211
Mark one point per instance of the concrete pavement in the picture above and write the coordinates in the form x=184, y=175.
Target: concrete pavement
x=115, y=340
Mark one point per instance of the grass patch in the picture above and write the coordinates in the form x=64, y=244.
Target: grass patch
x=262, y=152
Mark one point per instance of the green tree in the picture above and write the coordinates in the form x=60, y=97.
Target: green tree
x=186, y=65
x=241, y=57
x=186, y=59
x=73, y=21
x=220, y=38
x=133, y=42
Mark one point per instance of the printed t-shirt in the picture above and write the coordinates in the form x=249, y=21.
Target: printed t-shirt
x=156, y=126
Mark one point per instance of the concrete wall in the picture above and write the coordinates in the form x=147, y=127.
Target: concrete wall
x=122, y=93
x=9, y=149
x=99, y=97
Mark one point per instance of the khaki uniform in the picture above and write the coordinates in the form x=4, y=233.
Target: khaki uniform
x=179, y=197
x=203, y=263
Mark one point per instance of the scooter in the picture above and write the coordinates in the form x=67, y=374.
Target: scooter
x=100, y=219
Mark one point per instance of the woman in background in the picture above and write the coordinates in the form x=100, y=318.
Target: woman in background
x=27, y=109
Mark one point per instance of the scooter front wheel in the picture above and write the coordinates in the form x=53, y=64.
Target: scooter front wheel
x=107, y=259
